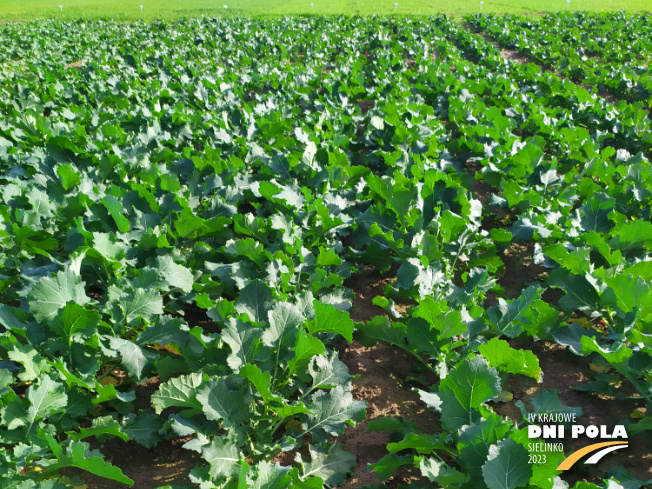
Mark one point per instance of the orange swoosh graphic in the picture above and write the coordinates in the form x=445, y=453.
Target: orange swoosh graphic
x=574, y=457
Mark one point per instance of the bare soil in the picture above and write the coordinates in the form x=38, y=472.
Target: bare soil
x=383, y=384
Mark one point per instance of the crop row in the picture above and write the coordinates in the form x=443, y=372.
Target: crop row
x=608, y=51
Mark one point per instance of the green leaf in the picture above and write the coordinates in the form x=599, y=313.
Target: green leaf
x=506, y=359
x=580, y=294
x=507, y=466
x=220, y=403
x=69, y=177
x=46, y=398
x=329, y=464
x=420, y=442
x=389, y=464
x=328, y=258
x=115, y=208
x=448, y=323
x=77, y=454
x=144, y=428
x=104, y=425
x=173, y=274
x=328, y=371
x=464, y=390
x=136, y=360
x=269, y=476
x=131, y=305
x=285, y=319
x=255, y=300
x=330, y=320
x=510, y=318
x=475, y=439
x=444, y=475
x=644, y=424
x=335, y=409
x=245, y=343
x=33, y=363
x=617, y=356
x=223, y=456
x=633, y=236
x=49, y=295
x=578, y=261
x=180, y=392
x=76, y=321
x=572, y=335
x=305, y=348
x=261, y=381
x=380, y=329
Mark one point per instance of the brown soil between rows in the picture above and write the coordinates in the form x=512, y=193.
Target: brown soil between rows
x=383, y=384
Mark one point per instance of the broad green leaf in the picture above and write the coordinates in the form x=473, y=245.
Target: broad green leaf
x=142, y=303
x=179, y=392
x=245, y=343
x=580, y=294
x=173, y=274
x=285, y=319
x=506, y=359
x=444, y=475
x=33, y=363
x=510, y=318
x=102, y=426
x=115, y=208
x=75, y=320
x=572, y=335
x=331, y=465
x=334, y=410
x=617, y=356
x=69, y=176
x=507, y=466
x=330, y=320
x=50, y=294
x=380, y=329
x=446, y=322
x=419, y=442
x=269, y=476
x=136, y=360
x=77, y=454
x=305, y=348
x=462, y=391
x=259, y=379
x=46, y=398
x=475, y=439
x=219, y=403
x=255, y=300
x=328, y=371
x=144, y=428
x=389, y=464
x=223, y=456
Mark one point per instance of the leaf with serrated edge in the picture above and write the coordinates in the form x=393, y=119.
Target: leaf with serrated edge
x=179, y=392
x=330, y=465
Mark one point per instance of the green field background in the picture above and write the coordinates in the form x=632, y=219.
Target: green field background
x=130, y=10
